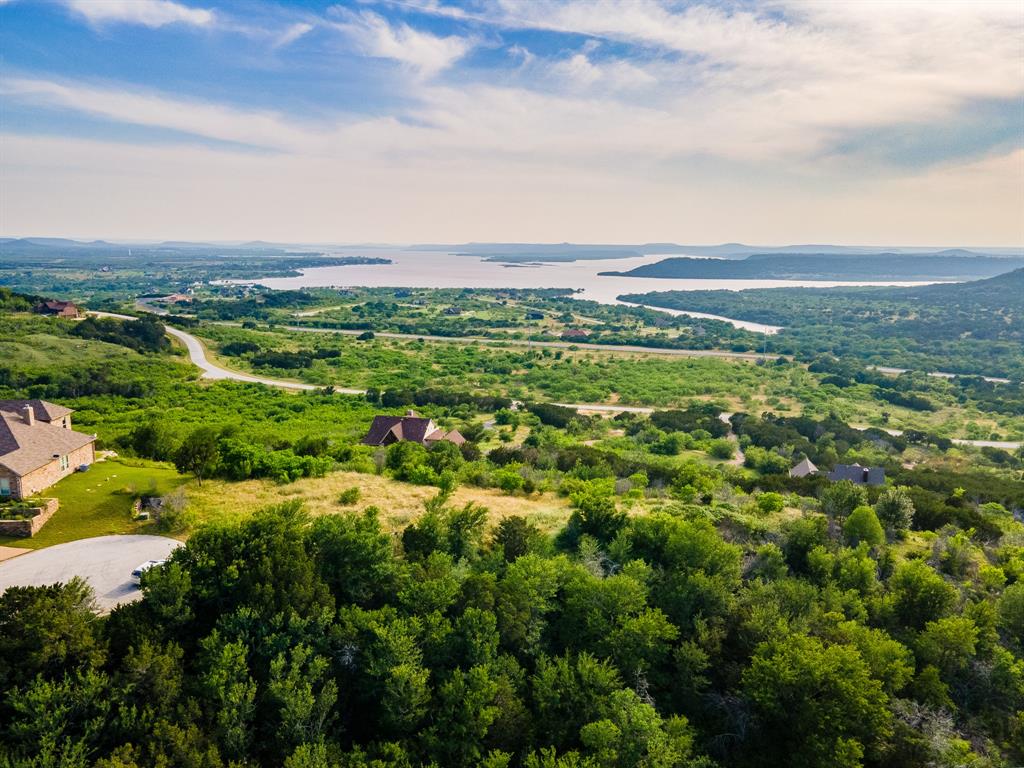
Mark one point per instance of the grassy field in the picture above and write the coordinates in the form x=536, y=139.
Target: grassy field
x=98, y=502
x=400, y=503
x=596, y=376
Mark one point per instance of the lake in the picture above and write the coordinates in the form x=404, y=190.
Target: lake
x=426, y=269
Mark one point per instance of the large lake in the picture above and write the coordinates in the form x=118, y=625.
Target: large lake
x=426, y=269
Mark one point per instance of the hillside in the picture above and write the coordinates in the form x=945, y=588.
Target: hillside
x=975, y=327
x=879, y=266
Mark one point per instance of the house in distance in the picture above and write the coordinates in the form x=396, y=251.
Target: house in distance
x=857, y=474
x=386, y=430
x=805, y=468
x=57, y=308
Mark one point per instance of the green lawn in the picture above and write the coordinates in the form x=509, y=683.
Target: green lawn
x=98, y=502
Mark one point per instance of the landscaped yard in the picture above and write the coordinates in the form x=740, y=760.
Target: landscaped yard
x=99, y=502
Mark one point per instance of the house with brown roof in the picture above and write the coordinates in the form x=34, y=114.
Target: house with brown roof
x=386, y=430
x=38, y=447
x=48, y=413
x=58, y=308
x=575, y=334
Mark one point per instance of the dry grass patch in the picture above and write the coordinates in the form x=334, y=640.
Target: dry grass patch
x=400, y=503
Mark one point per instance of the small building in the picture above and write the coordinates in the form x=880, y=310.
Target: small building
x=534, y=315
x=57, y=308
x=37, y=452
x=575, y=334
x=453, y=310
x=805, y=468
x=386, y=430
x=855, y=473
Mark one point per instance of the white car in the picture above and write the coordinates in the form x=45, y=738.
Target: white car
x=137, y=573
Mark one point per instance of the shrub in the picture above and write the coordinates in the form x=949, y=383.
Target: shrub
x=862, y=526
x=349, y=496
x=771, y=502
x=895, y=509
x=721, y=449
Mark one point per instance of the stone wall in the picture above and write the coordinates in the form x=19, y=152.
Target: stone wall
x=44, y=477
x=30, y=527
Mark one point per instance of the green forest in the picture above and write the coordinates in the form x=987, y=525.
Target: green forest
x=656, y=591
x=974, y=328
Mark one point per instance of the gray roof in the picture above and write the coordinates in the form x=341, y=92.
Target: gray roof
x=43, y=410
x=855, y=473
x=25, y=448
x=803, y=469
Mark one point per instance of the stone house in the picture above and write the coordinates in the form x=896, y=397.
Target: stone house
x=38, y=447
x=58, y=308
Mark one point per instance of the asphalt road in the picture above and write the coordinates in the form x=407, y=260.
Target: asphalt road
x=106, y=562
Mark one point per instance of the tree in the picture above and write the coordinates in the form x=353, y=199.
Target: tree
x=917, y=595
x=303, y=695
x=47, y=631
x=895, y=510
x=515, y=536
x=230, y=692
x=154, y=440
x=800, y=537
x=817, y=705
x=633, y=735
x=862, y=526
x=948, y=643
x=463, y=713
x=199, y=453
x=838, y=500
x=1011, y=611
x=771, y=502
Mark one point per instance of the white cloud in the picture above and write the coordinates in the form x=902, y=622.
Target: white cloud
x=581, y=72
x=293, y=33
x=262, y=129
x=149, y=13
x=722, y=125
x=425, y=53
x=800, y=74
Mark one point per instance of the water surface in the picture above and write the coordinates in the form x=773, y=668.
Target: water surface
x=424, y=269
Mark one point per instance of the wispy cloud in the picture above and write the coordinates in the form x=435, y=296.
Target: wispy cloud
x=259, y=129
x=425, y=53
x=148, y=13
x=293, y=33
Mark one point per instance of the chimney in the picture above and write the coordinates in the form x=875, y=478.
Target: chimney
x=410, y=412
x=30, y=415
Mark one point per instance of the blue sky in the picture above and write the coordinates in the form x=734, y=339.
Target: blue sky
x=540, y=120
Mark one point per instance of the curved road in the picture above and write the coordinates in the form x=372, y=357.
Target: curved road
x=211, y=370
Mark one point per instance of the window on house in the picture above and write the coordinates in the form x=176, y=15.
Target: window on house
x=5, y=486
x=64, y=463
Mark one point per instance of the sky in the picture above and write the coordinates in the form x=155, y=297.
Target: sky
x=621, y=121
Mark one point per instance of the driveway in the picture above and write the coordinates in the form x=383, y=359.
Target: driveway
x=105, y=562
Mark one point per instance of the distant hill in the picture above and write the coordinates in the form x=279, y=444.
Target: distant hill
x=821, y=266
x=1004, y=291
x=566, y=251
